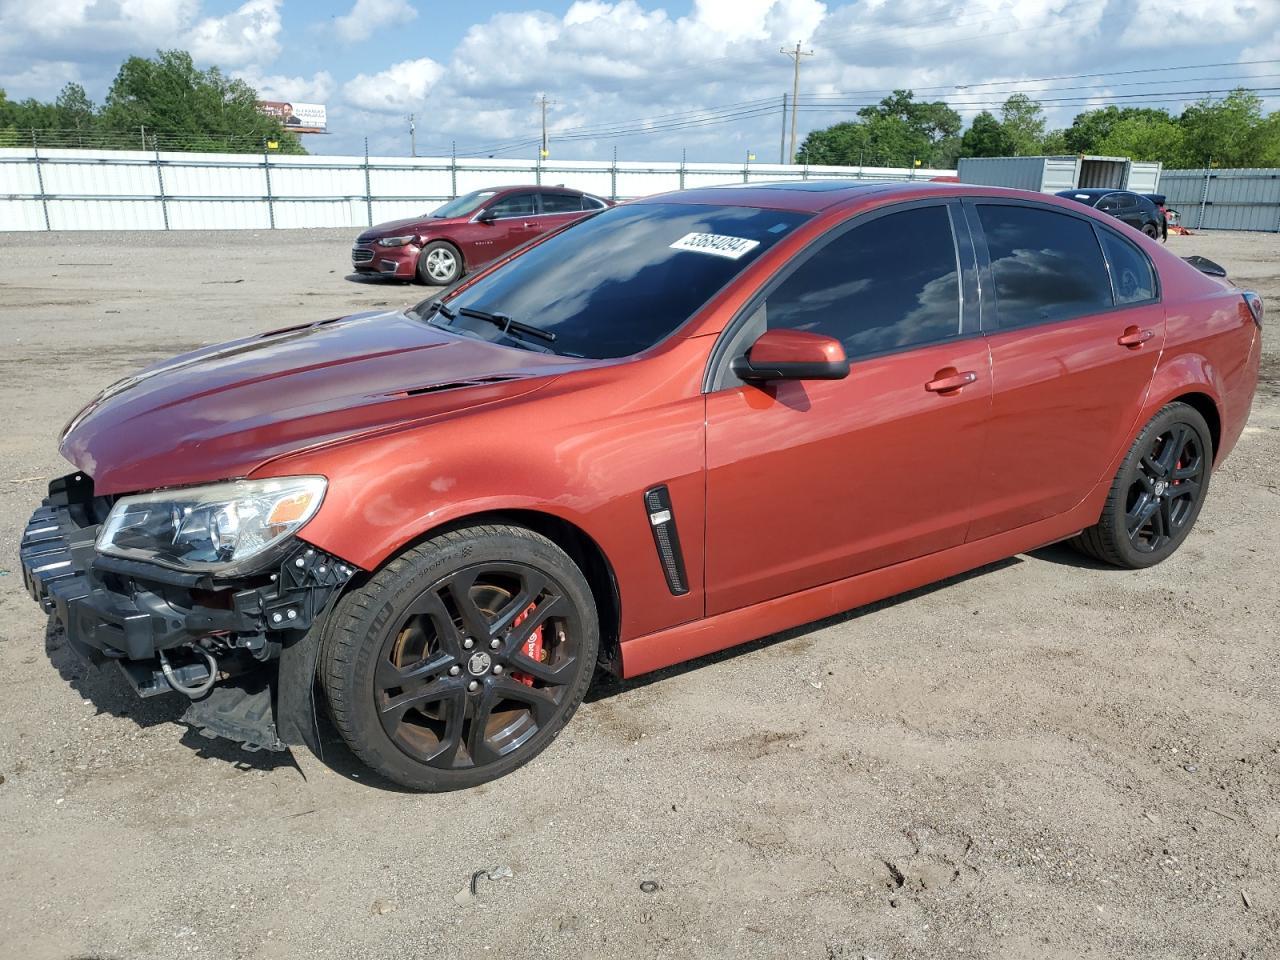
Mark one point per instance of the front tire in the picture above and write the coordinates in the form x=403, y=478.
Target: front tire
x=462, y=658
x=1157, y=492
x=439, y=264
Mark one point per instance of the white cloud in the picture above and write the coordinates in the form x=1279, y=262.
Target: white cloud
x=249, y=34
x=317, y=89
x=368, y=16
x=400, y=87
x=76, y=29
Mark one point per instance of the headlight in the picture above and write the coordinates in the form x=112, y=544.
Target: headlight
x=212, y=528
x=396, y=241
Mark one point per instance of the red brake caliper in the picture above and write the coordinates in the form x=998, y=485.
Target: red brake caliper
x=532, y=647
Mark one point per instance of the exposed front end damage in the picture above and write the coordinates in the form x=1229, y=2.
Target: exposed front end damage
x=220, y=642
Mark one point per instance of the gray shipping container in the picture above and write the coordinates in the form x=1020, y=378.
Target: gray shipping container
x=1051, y=174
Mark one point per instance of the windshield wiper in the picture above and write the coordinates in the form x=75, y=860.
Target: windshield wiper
x=504, y=322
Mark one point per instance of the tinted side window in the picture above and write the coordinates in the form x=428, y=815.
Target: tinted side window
x=516, y=205
x=591, y=203
x=1131, y=274
x=886, y=284
x=561, y=203
x=1047, y=266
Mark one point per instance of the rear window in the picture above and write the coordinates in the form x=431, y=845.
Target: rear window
x=1046, y=266
x=616, y=283
x=1131, y=275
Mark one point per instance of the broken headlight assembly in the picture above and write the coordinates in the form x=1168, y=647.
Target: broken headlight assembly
x=221, y=528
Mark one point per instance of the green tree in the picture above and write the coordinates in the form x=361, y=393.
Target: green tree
x=1023, y=122
x=895, y=132
x=1090, y=128
x=199, y=109
x=986, y=137
x=1229, y=132
x=74, y=108
x=1143, y=138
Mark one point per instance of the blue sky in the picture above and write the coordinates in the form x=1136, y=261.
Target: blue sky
x=702, y=76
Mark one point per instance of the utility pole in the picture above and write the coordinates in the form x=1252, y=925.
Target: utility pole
x=782, y=140
x=795, y=55
x=545, y=150
x=413, y=137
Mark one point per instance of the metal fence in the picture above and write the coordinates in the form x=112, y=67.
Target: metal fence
x=42, y=189
x=1213, y=199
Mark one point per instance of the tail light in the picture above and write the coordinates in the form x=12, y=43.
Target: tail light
x=1255, y=306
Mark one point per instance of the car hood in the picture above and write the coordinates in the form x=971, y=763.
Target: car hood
x=223, y=411
x=399, y=228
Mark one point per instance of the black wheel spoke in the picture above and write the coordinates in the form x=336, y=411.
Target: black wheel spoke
x=446, y=688
x=1161, y=526
x=477, y=742
x=1172, y=449
x=1187, y=471
x=432, y=606
x=413, y=675
x=556, y=674
x=548, y=607
x=474, y=621
x=1188, y=490
x=455, y=715
x=1141, y=513
x=542, y=704
x=532, y=587
x=1153, y=466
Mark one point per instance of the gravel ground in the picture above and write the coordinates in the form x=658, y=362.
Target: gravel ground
x=1043, y=759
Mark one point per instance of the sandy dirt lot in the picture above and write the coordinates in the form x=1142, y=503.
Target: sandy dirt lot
x=1044, y=759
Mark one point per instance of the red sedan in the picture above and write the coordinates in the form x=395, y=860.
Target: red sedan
x=464, y=234
x=675, y=426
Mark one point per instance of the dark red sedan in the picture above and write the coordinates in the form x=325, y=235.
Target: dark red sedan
x=672, y=427
x=469, y=231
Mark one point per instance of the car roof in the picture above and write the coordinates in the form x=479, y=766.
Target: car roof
x=812, y=196
x=1093, y=191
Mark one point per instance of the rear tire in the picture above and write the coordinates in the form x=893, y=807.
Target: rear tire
x=1157, y=493
x=427, y=667
x=1151, y=230
x=439, y=264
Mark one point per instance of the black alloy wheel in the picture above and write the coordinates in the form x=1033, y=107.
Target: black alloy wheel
x=1165, y=492
x=1157, y=492
x=456, y=684
x=462, y=658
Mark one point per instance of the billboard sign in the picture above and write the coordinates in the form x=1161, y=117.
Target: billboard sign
x=297, y=117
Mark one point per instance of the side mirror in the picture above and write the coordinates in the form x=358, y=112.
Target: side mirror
x=793, y=355
x=486, y=216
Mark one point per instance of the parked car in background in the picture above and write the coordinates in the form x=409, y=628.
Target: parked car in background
x=464, y=234
x=1140, y=212
x=687, y=422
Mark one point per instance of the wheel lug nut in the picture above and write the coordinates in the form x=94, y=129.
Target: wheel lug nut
x=473, y=686
x=497, y=668
x=455, y=670
x=468, y=643
x=495, y=643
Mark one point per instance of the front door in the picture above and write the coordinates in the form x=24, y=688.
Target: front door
x=1075, y=335
x=514, y=220
x=809, y=482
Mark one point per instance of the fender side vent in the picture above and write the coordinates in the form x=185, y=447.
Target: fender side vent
x=454, y=385
x=662, y=521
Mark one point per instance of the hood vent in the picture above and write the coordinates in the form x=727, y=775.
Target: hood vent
x=456, y=385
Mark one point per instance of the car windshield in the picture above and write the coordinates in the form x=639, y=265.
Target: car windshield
x=461, y=206
x=616, y=283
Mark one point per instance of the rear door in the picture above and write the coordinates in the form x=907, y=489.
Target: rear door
x=1074, y=337
x=559, y=208
x=809, y=482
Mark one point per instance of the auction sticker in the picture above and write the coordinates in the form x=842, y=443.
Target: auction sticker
x=716, y=244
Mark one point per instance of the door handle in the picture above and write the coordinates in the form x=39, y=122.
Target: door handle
x=1134, y=338
x=529, y=224
x=947, y=380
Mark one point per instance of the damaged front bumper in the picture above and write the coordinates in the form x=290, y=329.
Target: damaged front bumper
x=215, y=640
